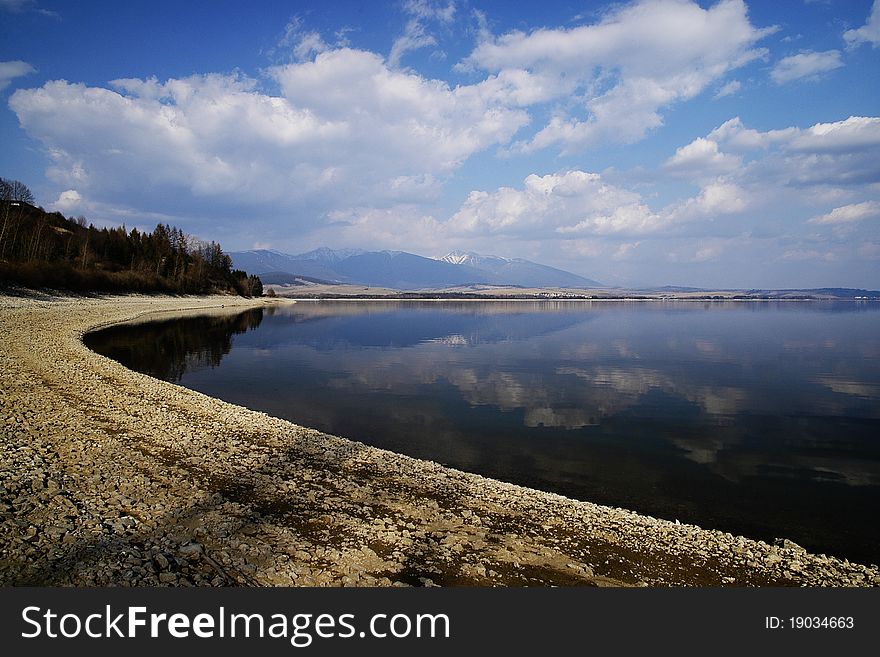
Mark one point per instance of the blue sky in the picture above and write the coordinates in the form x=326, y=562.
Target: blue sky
x=715, y=144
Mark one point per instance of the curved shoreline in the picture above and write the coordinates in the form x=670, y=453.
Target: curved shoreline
x=110, y=477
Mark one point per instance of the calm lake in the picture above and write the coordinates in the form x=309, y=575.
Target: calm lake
x=760, y=419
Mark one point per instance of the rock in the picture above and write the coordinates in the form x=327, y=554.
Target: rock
x=785, y=543
x=191, y=549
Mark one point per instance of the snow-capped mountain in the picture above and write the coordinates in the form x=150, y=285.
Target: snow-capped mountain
x=516, y=271
x=401, y=270
x=473, y=259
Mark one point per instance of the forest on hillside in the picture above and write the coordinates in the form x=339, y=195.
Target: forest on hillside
x=40, y=249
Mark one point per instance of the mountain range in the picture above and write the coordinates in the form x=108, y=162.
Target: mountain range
x=400, y=270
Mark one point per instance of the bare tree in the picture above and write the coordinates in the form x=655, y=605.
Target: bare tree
x=14, y=190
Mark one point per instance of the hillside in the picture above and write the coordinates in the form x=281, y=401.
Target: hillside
x=40, y=249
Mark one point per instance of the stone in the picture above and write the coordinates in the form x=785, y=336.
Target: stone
x=191, y=549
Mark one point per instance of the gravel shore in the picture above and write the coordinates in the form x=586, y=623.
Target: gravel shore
x=110, y=477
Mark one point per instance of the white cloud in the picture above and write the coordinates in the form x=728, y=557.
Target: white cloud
x=430, y=10
x=401, y=226
x=628, y=67
x=805, y=65
x=849, y=214
x=825, y=154
x=708, y=251
x=403, y=115
x=568, y=203
x=625, y=251
x=308, y=45
x=13, y=69
x=856, y=133
x=583, y=248
x=575, y=204
x=346, y=130
x=702, y=250
x=728, y=89
x=869, y=32
x=702, y=158
x=416, y=35
x=21, y=6
x=15, y=6
x=737, y=138
x=68, y=202
x=716, y=198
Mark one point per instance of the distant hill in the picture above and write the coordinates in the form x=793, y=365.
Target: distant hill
x=277, y=263
x=403, y=271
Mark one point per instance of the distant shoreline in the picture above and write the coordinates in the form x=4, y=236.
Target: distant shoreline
x=575, y=299
x=111, y=477
x=505, y=293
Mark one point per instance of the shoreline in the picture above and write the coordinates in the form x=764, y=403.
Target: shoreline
x=110, y=477
x=571, y=300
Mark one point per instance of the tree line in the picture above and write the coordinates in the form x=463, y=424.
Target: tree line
x=47, y=249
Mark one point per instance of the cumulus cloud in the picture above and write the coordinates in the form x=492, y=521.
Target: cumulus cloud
x=702, y=157
x=849, y=214
x=869, y=32
x=736, y=137
x=68, y=202
x=14, y=69
x=628, y=67
x=398, y=226
x=715, y=199
x=857, y=133
x=740, y=173
x=344, y=127
x=575, y=204
x=571, y=202
x=825, y=154
x=805, y=65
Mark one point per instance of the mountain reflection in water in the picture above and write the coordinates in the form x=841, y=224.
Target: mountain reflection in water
x=753, y=418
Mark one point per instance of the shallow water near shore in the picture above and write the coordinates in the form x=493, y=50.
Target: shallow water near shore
x=755, y=418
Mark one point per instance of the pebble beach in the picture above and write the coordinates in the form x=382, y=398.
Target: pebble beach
x=112, y=478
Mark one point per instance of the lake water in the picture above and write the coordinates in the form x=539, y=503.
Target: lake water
x=760, y=419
